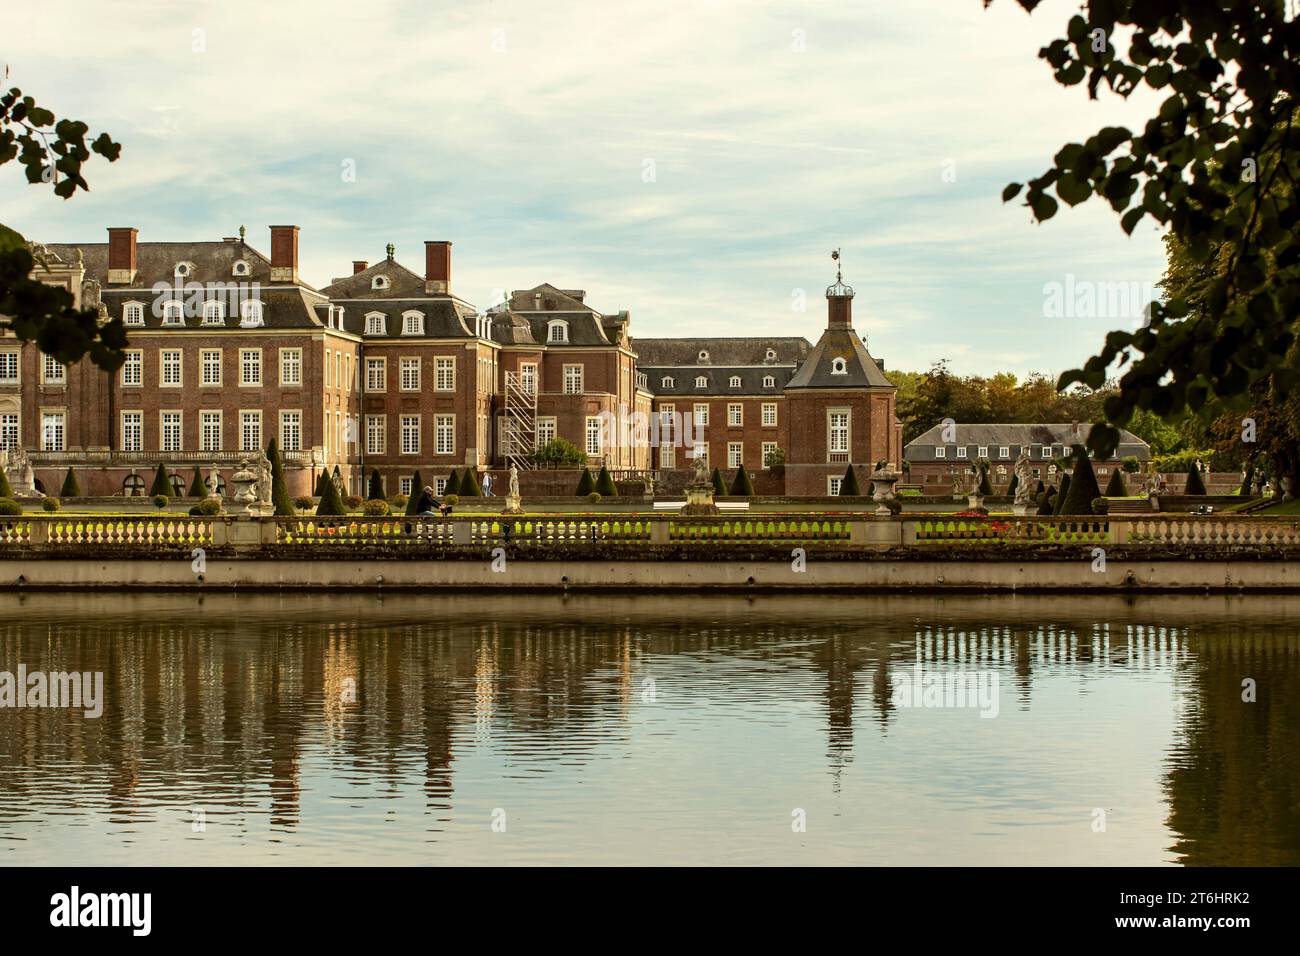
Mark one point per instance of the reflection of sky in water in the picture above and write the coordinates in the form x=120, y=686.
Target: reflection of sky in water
x=635, y=730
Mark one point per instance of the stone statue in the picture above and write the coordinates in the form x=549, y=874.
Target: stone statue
x=514, y=481
x=262, y=468
x=512, y=494
x=701, y=472
x=1025, y=483
x=649, y=484
x=214, y=480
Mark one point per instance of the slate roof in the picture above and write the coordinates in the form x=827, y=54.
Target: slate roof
x=718, y=379
x=402, y=283
x=444, y=317
x=861, y=370
x=921, y=448
x=587, y=326
x=156, y=261
x=681, y=353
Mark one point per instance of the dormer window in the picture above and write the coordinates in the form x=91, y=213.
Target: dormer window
x=735, y=381
x=379, y=282
x=771, y=356
x=557, y=330
x=412, y=323
x=375, y=322
x=214, y=313
x=701, y=381
x=133, y=313
x=667, y=382
x=769, y=381
x=839, y=367
x=173, y=313
x=183, y=269
x=703, y=356
x=241, y=268
x=250, y=313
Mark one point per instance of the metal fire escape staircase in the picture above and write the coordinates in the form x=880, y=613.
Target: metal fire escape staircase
x=520, y=422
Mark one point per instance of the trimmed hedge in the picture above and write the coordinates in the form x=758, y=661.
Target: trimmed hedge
x=469, y=485
x=605, y=483
x=5, y=490
x=330, y=503
x=1059, y=501
x=1117, y=487
x=279, y=490
x=1195, y=484
x=586, y=484
x=417, y=490
x=161, y=485
x=849, y=484
x=719, y=487
x=741, y=486
x=198, y=487
x=70, y=487
x=453, y=483
x=375, y=491
x=1083, y=489
x=10, y=507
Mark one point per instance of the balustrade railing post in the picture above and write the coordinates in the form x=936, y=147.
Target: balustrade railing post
x=38, y=532
x=460, y=532
x=659, y=530
x=1118, y=531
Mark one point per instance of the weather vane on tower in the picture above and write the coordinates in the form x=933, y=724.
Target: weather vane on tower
x=835, y=257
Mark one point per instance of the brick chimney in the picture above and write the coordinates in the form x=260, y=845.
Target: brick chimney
x=437, y=267
x=284, y=253
x=121, y=255
x=359, y=265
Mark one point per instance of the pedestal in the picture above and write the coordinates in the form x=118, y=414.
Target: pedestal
x=699, y=500
x=512, y=505
x=1020, y=510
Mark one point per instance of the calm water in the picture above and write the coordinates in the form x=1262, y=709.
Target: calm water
x=360, y=729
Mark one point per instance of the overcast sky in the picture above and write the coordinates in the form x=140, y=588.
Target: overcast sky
x=690, y=161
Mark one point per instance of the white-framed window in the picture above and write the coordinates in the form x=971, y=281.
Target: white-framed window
x=557, y=330
x=347, y=375
x=769, y=381
x=573, y=379
x=410, y=433
x=700, y=414
x=769, y=414
x=53, y=431
x=376, y=375
x=981, y=451
x=214, y=313
x=133, y=431
x=412, y=323
x=940, y=452
x=291, y=367
x=53, y=372
x=961, y=451
x=1004, y=451
x=839, y=366
x=768, y=448
x=667, y=456
x=173, y=313
x=667, y=382
x=734, y=381
x=833, y=483
x=1046, y=452
x=735, y=454
x=250, y=367
x=408, y=374
x=250, y=313
x=241, y=268
x=439, y=486
x=133, y=368
x=376, y=434
x=593, y=433
x=183, y=269
x=133, y=313
x=210, y=366
x=528, y=377
x=329, y=368
x=169, y=432
x=545, y=431
x=169, y=368
x=210, y=430
x=250, y=430
x=837, y=426
x=375, y=322
x=444, y=434
x=735, y=414
x=8, y=368
x=701, y=381
x=290, y=430
x=9, y=434
x=379, y=282
x=444, y=373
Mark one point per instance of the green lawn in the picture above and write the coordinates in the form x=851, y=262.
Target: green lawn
x=1281, y=508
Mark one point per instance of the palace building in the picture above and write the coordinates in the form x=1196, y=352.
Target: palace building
x=387, y=368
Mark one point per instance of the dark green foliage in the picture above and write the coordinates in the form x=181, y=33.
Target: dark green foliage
x=605, y=483
x=1045, y=501
x=5, y=490
x=323, y=477
x=1015, y=483
x=560, y=451
x=719, y=486
x=849, y=484
x=1083, y=490
x=1116, y=487
x=985, y=487
x=1195, y=485
x=279, y=490
x=198, y=487
x=1059, y=501
x=1039, y=489
x=375, y=491
x=469, y=487
x=10, y=507
x=161, y=483
x=741, y=486
x=586, y=484
x=70, y=487
x=330, y=503
x=417, y=490
x=453, y=483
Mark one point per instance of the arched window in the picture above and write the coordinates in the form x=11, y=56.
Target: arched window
x=557, y=330
x=701, y=381
x=250, y=313
x=214, y=313
x=375, y=322
x=178, y=485
x=133, y=313
x=769, y=381
x=412, y=323
x=173, y=313
x=735, y=381
x=839, y=367
x=133, y=486
x=667, y=381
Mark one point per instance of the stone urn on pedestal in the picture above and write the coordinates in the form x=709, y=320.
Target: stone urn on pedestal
x=699, y=492
x=883, y=489
x=253, y=486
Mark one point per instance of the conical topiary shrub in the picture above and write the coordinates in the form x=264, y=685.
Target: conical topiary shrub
x=469, y=487
x=1195, y=485
x=375, y=491
x=279, y=490
x=331, y=503
x=1061, y=492
x=1013, y=485
x=849, y=483
x=70, y=487
x=1045, y=501
x=605, y=483
x=417, y=490
x=719, y=486
x=1039, y=489
x=453, y=483
x=161, y=484
x=5, y=490
x=1116, y=487
x=198, y=487
x=1083, y=488
x=586, y=484
x=741, y=486
x=985, y=487
x=321, y=480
